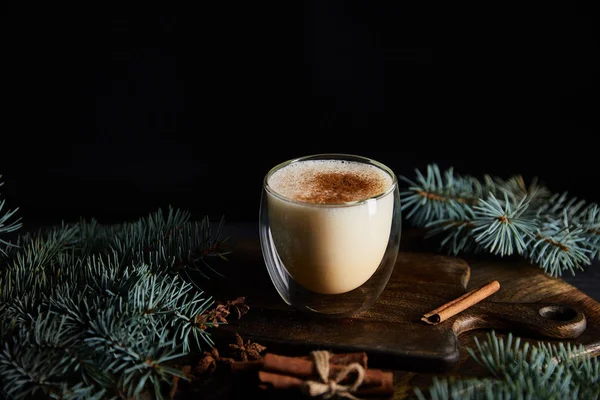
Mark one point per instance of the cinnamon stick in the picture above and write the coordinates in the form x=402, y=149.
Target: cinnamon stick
x=461, y=303
x=346, y=358
x=239, y=367
x=303, y=368
x=272, y=380
x=335, y=358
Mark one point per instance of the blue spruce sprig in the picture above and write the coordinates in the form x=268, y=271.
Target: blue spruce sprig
x=92, y=311
x=500, y=226
x=520, y=370
x=503, y=217
x=432, y=197
x=559, y=246
x=8, y=224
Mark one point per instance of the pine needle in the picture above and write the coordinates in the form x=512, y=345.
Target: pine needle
x=8, y=224
x=91, y=311
x=519, y=370
x=504, y=217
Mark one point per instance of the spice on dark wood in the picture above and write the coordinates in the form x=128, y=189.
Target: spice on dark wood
x=306, y=368
x=218, y=314
x=239, y=306
x=461, y=303
x=273, y=381
x=359, y=357
x=321, y=373
x=245, y=351
x=209, y=361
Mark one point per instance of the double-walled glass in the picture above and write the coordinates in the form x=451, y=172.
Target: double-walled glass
x=332, y=259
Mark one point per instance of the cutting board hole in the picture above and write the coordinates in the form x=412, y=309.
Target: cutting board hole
x=558, y=313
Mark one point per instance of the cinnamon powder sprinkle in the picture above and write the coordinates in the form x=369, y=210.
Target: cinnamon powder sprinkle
x=330, y=182
x=341, y=187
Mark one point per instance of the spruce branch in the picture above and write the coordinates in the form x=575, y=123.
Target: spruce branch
x=518, y=370
x=504, y=217
x=500, y=226
x=458, y=235
x=590, y=223
x=575, y=214
x=8, y=223
x=126, y=348
x=560, y=246
x=26, y=373
x=94, y=311
x=433, y=197
x=173, y=242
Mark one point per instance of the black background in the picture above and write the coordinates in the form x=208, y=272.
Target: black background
x=115, y=113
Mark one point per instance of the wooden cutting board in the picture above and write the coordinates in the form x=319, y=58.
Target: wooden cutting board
x=392, y=333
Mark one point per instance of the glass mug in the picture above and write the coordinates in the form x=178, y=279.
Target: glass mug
x=330, y=228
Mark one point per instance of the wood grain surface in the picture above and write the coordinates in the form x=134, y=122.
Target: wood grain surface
x=391, y=331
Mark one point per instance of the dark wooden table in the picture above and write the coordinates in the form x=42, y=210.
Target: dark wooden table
x=586, y=286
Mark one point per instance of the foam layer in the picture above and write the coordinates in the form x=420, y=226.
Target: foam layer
x=329, y=181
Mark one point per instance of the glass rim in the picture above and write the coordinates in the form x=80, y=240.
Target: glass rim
x=335, y=156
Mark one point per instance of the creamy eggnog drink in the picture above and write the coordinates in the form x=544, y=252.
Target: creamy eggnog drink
x=330, y=221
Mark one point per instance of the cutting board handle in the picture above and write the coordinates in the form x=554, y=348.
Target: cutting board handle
x=546, y=320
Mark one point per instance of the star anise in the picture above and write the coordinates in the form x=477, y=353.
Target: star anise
x=246, y=351
x=220, y=314
x=213, y=317
x=239, y=306
x=209, y=361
